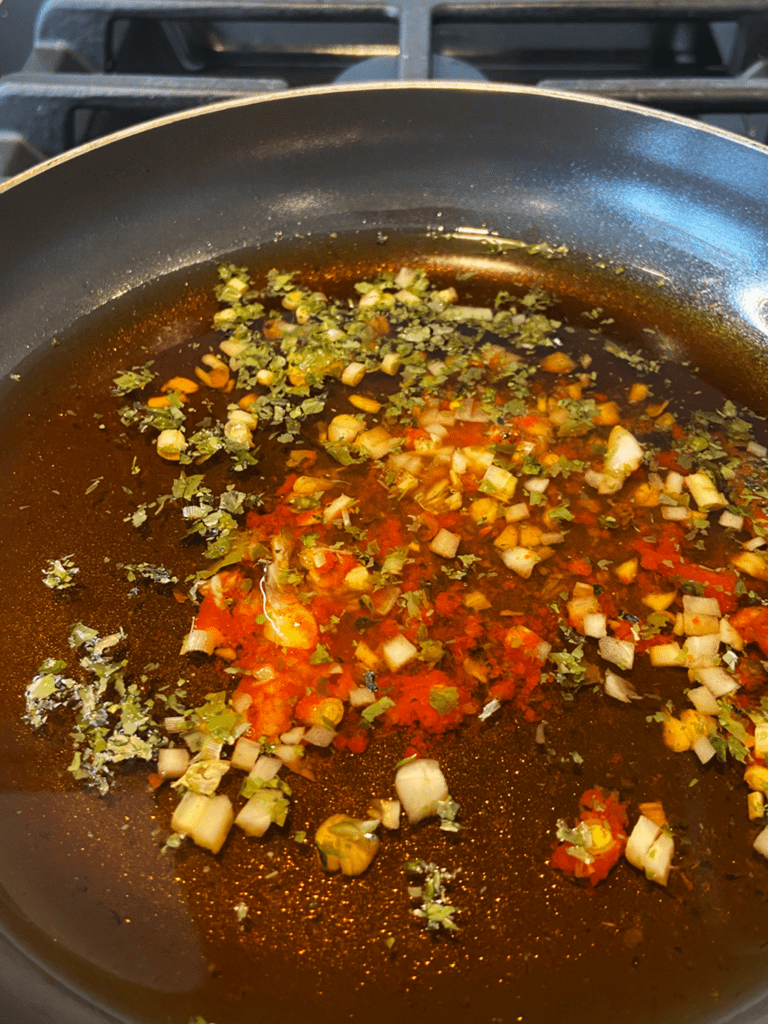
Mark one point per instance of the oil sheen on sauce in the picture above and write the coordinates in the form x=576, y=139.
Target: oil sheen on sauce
x=259, y=932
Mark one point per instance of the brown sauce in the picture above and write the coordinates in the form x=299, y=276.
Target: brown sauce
x=157, y=934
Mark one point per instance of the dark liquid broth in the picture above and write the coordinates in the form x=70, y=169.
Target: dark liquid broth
x=156, y=935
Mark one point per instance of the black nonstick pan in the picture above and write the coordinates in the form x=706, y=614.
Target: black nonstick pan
x=646, y=204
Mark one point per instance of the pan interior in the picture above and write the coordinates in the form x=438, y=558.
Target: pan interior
x=155, y=935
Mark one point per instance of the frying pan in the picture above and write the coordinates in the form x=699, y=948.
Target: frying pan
x=661, y=198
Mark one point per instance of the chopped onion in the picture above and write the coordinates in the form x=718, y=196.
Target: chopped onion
x=620, y=652
x=754, y=448
x=320, y=736
x=594, y=478
x=245, y=754
x=663, y=655
x=420, y=784
x=514, y=513
x=595, y=625
x=339, y=505
x=761, y=738
x=643, y=835
x=761, y=842
x=674, y=482
x=754, y=544
x=265, y=768
x=205, y=819
x=175, y=723
x=658, y=860
x=702, y=650
x=620, y=688
x=624, y=455
x=730, y=636
x=353, y=373
x=293, y=736
x=552, y=538
x=445, y=543
x=541, y=651
x=498, y=482
x=701, y=625
x=537, y=484
x=405, y=277
x=693, y=605
x=703, y=700
x=241, y=701
x=716, y=679
x=398, y=652
x=703, y=749
x=377, y=441
x=387, y=811
x=172, y=762
x=256, y=816
x=675, y=513
x=361, y=696
x=520, y=560
x=731, y=521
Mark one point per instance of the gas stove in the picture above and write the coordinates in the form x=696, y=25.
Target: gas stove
x=95, y=66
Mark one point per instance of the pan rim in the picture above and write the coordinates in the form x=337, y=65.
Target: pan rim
x=287, y=95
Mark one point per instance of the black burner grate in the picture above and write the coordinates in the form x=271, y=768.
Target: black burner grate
x=99, y=65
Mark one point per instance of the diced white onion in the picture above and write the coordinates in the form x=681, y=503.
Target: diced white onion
x=658, y=860
x=674, y=482
x=520, y=560
x=387, y=811
x=703, y=749
x=701, y=650
x=717, y=680
x=293, y=736
x=619, y=688
x=675, y=513
x=694, y=605
x=552, y=538
x=754, y=448
x=594, y=478
x=361, y=696
x=445, y=543
x=266, y=768
x=514, y=513
x=420, y=784
x=245, y=754
x=175, y=723
x=541, y=651
x=731, y=521
x=241, y=701
x=761, y=842
x=320, y=736
x=640, y=839
x=204, y=640
x=664, y=655
x=754, y=543
x=595, y=624
x=205, y=819
x=172, y=762
x=398, y=652
x=353, y=373
x=537, y=484
x=256, y=816
x=704, y=700
x=620, y=652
